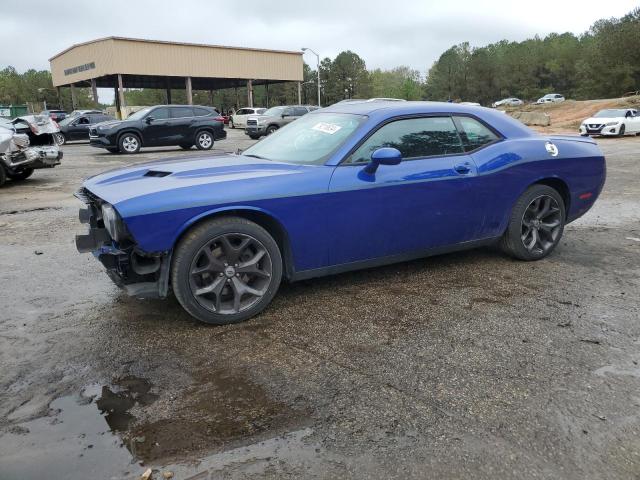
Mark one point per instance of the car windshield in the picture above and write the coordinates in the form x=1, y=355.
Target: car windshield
x=274, y=111
x=139, y=114
x=261, y=111
x=309, y=140
x=610, y=113
x=66, y=121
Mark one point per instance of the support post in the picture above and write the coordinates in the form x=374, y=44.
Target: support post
x=168, y=81
x=237, y=101
x=189, y=91
x=94, y=90
x=299, y=93
x=266, y=89
x=74, y=99
x=249, y=93
x=117, y=98
x=123, y=102
x=211, y=98
x=59, y=98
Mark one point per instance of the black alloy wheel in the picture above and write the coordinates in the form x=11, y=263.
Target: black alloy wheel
x=226, y=270
x=536, y=224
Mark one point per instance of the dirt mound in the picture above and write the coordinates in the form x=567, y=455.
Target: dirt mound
x=567, y=116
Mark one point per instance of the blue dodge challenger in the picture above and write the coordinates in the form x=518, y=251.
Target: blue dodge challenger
x=350, y=186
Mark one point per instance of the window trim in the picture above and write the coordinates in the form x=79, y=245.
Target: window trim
x=463, y=133
x=395, y=119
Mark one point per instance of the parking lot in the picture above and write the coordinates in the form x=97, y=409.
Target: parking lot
x=465, y=365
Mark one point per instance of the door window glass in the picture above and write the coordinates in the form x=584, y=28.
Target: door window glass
x=299, y=111
x=475, y=134
x=201, y=112
x=160, y=113
x=181, y=112
x=83, y=121
x=414, y=137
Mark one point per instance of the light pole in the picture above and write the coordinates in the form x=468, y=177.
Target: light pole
x=304, y=49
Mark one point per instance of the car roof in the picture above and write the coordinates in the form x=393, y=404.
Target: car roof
x=505, y=124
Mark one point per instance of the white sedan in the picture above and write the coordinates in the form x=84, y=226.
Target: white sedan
x=551, y=98
x=508, y=102
x=613, y=121
x=239, y=119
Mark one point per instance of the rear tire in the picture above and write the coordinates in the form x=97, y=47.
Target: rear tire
x=22, y=175
x=226, y=270
x=129, y=143
x=536, y=224
x=621, y=131
x=204, y=140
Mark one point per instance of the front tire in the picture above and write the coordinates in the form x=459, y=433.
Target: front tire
x=60, y=138
x=226, y=270
x=536, y=224
x=22, y=175
x=271, y=129
x=204, y=140
x=129, y=143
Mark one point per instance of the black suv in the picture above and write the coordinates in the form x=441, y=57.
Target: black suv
x=159, y=126
x=76, y=127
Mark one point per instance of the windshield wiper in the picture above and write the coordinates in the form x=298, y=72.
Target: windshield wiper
x=254, y=156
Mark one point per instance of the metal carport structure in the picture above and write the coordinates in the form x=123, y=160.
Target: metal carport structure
x=119, y=63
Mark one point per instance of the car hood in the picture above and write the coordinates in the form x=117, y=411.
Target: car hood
x=120, y=185
x=600, y=120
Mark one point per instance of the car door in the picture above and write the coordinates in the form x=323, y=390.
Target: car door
x=633, y=122
x=79, y=129
x=288, y=115
x=240, y=118
x=425, y=202
x=155, y=127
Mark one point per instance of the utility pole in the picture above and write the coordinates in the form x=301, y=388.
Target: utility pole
x=304, y=49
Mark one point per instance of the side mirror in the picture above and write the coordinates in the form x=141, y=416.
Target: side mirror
x=383, y=156
x=149, y=120
x=283, y=115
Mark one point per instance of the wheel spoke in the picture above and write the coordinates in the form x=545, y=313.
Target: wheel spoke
x=215, y=287
x=546, y=205
x=534, y=240
x=252, y=266
x=548, y=227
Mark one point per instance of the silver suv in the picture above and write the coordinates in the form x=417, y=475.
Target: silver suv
x=274, y=118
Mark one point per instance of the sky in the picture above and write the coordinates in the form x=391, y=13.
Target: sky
x=385, y=33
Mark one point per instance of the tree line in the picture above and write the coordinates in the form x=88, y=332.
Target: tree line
x=603, y=62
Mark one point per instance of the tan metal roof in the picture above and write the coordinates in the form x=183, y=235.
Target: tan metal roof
x=131, y=56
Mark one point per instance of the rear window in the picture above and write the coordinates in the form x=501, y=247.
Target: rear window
x=181, y=112
x=474, y=133
x=201, y=112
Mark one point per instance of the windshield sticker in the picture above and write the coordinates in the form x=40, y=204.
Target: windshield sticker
x=329, y=128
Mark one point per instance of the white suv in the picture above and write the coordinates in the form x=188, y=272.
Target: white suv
x=551, y=98
x=239, y=119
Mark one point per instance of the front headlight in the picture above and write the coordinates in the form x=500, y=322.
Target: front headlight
x=611, y=124
x=113, y=222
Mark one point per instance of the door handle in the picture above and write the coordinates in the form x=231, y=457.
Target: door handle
x=462, y=168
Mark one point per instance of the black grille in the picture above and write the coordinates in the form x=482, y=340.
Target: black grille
x=85, y=196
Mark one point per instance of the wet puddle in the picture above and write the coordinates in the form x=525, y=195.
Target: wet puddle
x=222, y=418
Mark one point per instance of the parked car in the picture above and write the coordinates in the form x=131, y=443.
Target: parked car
x=27, y=143
x=162, y=125
x=239, y=119
x=613, y=122
x=350, y=186
x=550, y=98
x=76, y=127
x=274, y=118
x=55, y=115
x=508, y=102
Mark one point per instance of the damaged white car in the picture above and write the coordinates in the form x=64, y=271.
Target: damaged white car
x=28, y=143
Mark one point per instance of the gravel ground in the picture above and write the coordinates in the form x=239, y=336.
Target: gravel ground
x=468, y=365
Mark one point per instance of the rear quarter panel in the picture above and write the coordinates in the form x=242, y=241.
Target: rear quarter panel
x=506, y=169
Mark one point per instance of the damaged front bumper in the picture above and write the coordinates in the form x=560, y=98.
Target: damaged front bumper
x=35, y=157
x=140, y=274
